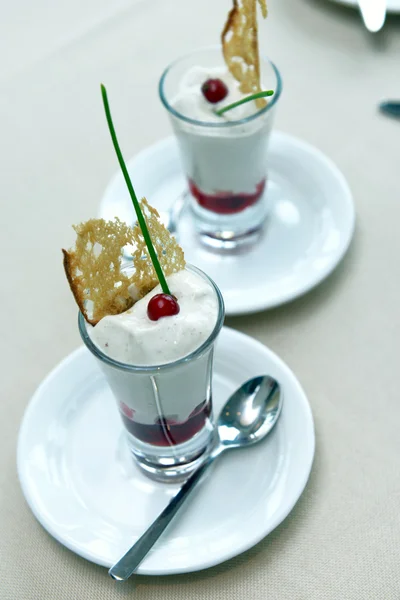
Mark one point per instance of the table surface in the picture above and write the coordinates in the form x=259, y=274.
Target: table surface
x=342, y=339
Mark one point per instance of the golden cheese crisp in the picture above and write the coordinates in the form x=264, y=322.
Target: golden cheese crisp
x=94, y=267
x=240, y=45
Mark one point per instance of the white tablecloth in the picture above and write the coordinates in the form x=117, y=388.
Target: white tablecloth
x=342, y=339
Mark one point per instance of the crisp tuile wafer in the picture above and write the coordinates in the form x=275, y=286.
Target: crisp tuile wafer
x=94, y=267
x=170, y=254
x=240, y=45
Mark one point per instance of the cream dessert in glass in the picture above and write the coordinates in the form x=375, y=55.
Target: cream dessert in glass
x=160, y=373
x=151, y=324
x=224, y=156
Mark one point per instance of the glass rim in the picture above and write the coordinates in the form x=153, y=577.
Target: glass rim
x=151, y=369
x=212, y=124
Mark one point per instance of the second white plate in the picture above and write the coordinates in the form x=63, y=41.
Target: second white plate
x=309, y=229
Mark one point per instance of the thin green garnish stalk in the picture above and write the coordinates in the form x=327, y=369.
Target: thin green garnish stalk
x=138, y=210
x=223, y=110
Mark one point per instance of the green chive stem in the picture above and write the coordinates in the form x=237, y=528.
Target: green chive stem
x=223, y=110
x=138, y=210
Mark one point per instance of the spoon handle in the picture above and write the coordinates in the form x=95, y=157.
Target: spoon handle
x=128, y=564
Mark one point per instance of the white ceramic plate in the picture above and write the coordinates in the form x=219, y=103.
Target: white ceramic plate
x=309, y=229
x=392, y=5
x=82, y=485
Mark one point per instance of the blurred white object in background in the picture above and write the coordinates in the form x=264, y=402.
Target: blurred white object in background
x=373, y=13
x=374, y=7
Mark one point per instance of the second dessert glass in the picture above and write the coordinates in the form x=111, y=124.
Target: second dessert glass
x=225, y=162
x=166, y=409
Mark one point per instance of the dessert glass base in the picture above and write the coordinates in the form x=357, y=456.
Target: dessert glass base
x=172, y=464
x=231, y=232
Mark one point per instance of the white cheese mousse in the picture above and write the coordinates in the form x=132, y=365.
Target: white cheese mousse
x=191, y=102
x=132, y=338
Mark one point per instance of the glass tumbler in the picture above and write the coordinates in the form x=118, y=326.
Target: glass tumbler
x=225, y=161
x=166, y=409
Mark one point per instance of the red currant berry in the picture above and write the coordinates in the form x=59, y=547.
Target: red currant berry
x=214, y=90
x=128, y=412
x=162, y=305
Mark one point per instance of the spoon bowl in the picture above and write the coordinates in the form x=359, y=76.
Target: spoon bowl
x=250, y=413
